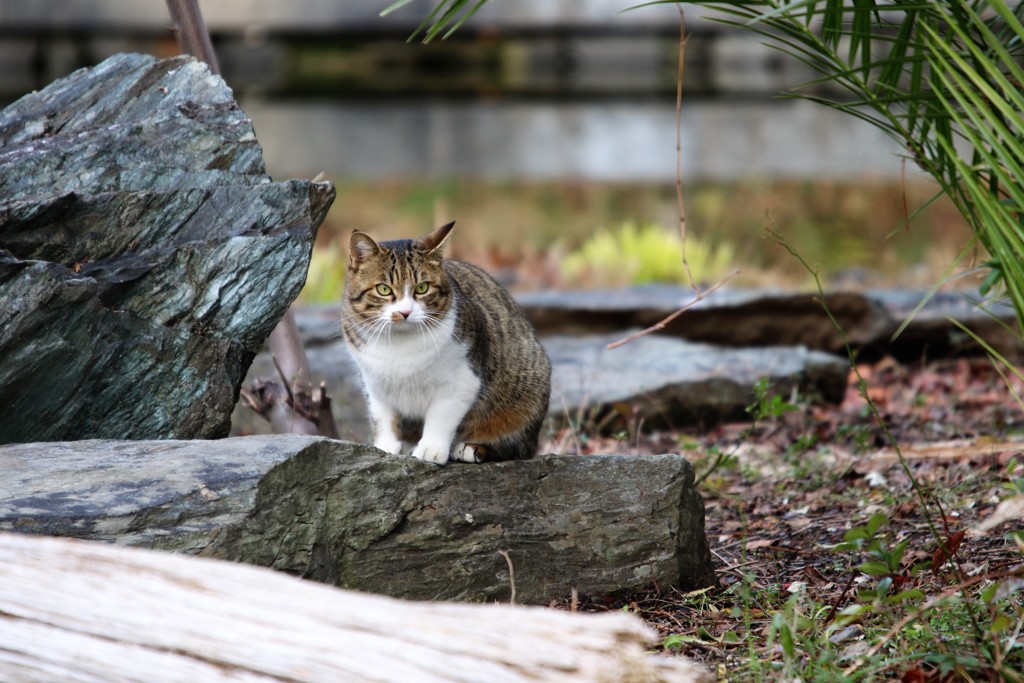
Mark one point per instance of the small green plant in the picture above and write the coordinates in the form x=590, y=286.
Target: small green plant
x=804, y=443
x=768, y=405
x=859, y=434
x=643, y=253
x=883, y=563
x=798, y=632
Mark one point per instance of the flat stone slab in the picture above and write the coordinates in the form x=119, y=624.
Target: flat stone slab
x=776, y=318
x=669, y=382
x=350, y=515
x=662, y=380
x=931, y=331
x=155, y=494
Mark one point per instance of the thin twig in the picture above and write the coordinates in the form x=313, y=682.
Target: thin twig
x=922, y=497
x=903, y=194
x=657, y=327
x=699, y=294
x=679, y=145
x=511, y=575
x=284, y=382
x=842, y=596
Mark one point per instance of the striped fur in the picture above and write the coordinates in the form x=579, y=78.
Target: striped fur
x=451, y=367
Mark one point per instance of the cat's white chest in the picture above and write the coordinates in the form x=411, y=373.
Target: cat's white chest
x=413, y=371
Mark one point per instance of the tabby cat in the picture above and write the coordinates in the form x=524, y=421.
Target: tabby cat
x=451, y=367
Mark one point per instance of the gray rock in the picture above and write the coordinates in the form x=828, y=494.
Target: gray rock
x=657, y=379
x=931, y=332
x=175, y=495
x=132, y=122
x=355, y=517
x=667, y=382
x=145, y=255
x=72, y=368
x=733, y=318
x=741, y=318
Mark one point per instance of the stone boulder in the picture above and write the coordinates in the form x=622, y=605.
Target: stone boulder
x=661, y=380
x=734, y=318
x=145, y=254
x=355, y=517
x=931, y=331
x=666, y=382
x=752, y=318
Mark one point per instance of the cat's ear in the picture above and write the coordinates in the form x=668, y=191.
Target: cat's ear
x=361, y=247
x=436, y=239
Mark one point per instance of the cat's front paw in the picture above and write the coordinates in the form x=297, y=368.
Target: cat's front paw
x=431, y=453
x=467, y=452
x=388, y=444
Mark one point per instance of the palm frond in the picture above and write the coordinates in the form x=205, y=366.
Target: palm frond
x=446, y=17
x=944, y=78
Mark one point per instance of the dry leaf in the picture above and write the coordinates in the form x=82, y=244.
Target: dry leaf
x=1009, y=510
x=947, y=550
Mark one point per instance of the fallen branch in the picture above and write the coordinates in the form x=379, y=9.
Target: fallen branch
x=88, y=612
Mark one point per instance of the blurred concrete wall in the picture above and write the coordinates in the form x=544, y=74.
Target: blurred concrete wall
x=534, y=88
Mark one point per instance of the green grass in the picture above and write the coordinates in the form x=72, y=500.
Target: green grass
x=883, y=615
x=636, y=254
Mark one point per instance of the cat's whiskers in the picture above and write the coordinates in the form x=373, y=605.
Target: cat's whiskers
x=350, y=324
x=381, y=329
x=370, y=331
x=431, y=323
x=355, y=324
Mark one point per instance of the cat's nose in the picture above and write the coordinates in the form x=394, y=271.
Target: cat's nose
x=404, y=313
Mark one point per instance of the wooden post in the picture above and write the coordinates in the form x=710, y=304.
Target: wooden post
x=190, y=29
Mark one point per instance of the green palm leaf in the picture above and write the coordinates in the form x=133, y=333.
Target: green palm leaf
x=944, y=78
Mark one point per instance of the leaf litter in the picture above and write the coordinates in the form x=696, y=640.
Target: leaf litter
x=790, y=488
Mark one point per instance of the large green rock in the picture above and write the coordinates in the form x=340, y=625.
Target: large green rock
x=145, y=254
x=352, y=516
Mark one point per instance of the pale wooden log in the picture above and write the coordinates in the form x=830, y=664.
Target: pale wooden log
x=87, y=612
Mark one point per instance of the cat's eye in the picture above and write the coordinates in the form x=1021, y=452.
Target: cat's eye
x=422, y=287
x=383, y=290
